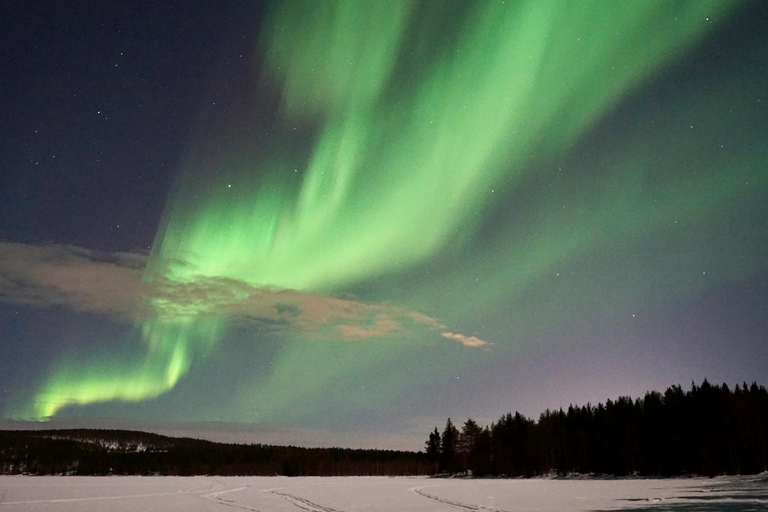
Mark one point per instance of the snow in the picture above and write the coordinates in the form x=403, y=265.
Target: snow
x=125, y=446
x=379, y=494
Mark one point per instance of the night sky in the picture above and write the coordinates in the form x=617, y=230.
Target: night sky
x=340, y=223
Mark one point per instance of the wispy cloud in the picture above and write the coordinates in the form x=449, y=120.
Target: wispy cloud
x=62, y=275
x=115, y=284
x=467, y=341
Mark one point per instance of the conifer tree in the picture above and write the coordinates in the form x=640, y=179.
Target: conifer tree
x=448, y=444
x=433, y=446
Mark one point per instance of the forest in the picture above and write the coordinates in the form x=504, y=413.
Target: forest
x=707, y=430
x=121, y=452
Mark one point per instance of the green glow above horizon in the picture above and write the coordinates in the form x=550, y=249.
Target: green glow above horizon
x=418, y=132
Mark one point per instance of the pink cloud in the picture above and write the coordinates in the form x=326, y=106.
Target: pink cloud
x=114, y=284
x=467, y=341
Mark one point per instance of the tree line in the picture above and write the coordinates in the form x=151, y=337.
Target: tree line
x=119, y=452
x=707, y=430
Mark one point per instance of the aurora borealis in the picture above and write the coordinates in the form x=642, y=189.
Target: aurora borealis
x=377, y=200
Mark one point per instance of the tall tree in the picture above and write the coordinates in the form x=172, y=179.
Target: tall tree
x=433, y=446
x=448, y=445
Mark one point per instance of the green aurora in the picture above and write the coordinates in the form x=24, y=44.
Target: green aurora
x=426, y=123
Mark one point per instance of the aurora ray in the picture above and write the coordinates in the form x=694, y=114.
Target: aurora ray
x=415, y=131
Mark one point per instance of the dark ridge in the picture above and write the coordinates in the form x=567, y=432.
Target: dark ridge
x=122, y=452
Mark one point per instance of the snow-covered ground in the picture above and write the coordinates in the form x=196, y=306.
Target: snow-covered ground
x=378, y=494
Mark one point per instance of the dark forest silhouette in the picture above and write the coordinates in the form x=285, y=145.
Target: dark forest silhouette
x=121, y=452
x=707, y=430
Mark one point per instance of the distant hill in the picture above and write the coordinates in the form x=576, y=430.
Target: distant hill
x=124, y=452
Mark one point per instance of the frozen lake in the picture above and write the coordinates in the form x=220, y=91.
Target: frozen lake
x=378, y=494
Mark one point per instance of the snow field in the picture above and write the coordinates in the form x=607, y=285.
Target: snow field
x=378, y=494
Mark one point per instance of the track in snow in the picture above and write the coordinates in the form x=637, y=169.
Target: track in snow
x=301, y=503
x=455, y=504
x=216, y=497
x=94, y=498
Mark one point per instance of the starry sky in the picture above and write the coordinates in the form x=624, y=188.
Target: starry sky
x=340, y=223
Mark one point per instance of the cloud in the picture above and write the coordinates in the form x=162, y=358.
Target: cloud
x=467, y=341
x=62, y=275
x=115, y=284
